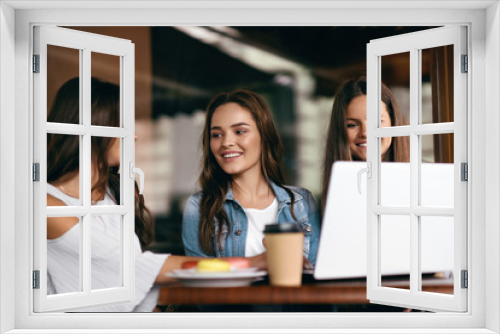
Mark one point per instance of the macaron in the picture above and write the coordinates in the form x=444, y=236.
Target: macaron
x=213, y=265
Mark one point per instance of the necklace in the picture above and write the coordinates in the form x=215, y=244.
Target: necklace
x=67, y=192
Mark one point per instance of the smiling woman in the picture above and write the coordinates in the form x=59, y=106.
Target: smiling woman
x=242, y=183
x=356, y=128
x=235, y=141
x=347, y=140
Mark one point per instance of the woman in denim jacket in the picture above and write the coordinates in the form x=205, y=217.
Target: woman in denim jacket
x=242, y=184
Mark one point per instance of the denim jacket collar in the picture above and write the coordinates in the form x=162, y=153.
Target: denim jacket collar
x=281, y=195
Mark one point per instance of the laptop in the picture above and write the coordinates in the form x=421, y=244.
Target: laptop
x=342, y=248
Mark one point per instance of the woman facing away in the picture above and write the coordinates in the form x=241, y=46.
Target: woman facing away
x=242, y=183
x=63, y=179
x=347, y=141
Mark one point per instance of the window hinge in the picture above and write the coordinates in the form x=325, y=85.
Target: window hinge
x=465, y=64
x=36, y=172
x=36, y=63
x=465, y=279
x=36, y=279
x=464, y=171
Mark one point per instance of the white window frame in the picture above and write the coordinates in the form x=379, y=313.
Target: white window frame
x=483, y=21
x=86, y=44
x=414, y=43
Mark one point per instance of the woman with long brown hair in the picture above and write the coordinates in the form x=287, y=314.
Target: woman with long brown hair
x=63, y=188
x=242, y=183
x=346, y=139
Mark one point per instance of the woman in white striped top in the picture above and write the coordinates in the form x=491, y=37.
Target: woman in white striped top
x=63, y=189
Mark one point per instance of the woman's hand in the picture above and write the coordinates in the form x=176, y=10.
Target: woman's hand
x=307, y=264
x=258, y=261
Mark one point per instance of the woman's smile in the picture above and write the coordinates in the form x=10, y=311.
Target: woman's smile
x=362, y=145
x=235, y=140
x=231, y=156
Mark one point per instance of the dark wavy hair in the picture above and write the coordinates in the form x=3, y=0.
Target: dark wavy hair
x=63, y=160
x=215, y=183
x=337, y=142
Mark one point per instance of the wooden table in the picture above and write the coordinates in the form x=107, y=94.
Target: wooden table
x=311, y=292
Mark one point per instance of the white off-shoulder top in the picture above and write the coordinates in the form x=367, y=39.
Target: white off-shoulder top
x=63, y=260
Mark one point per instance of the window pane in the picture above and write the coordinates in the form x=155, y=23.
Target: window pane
x=108, y=149
x=437, y=171
x=63, y=255
x=394, y=177
x=63, y=178
x=105, y=90
x=437, y=85
x=396, y=97
x=437, y=249
x=394, y=248
x=106, y=248
x=438, y=148
x=63, y=64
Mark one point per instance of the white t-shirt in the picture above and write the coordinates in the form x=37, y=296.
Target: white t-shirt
x=257, y=221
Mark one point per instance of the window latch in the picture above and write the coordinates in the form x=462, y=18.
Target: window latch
x=139, y=171
x=368, y=171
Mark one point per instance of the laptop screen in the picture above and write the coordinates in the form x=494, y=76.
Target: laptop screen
x=342, y=250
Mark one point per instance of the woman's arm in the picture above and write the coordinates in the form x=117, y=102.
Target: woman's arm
x=171, y=263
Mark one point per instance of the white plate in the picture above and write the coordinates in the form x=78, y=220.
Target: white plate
x=235, y=278
x=234, y=272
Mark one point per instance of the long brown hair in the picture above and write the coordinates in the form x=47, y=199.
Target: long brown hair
x=62, y=150
x=337, y=143
x=215, y=183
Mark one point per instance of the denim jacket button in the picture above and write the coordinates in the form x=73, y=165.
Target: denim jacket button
x=237, y=232
x=308, y=228
x=235, y=206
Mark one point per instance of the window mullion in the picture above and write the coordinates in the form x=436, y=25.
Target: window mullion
x=434, y=128
x=414, y=169
x=422, y=129
x=85, y=273
x=419, y=211
x=85, y=167
x=85, y=104
x=127, y=103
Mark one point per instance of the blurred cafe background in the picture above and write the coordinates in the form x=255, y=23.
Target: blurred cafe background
x=296, y=69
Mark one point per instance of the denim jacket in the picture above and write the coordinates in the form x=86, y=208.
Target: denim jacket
x=233, y=239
